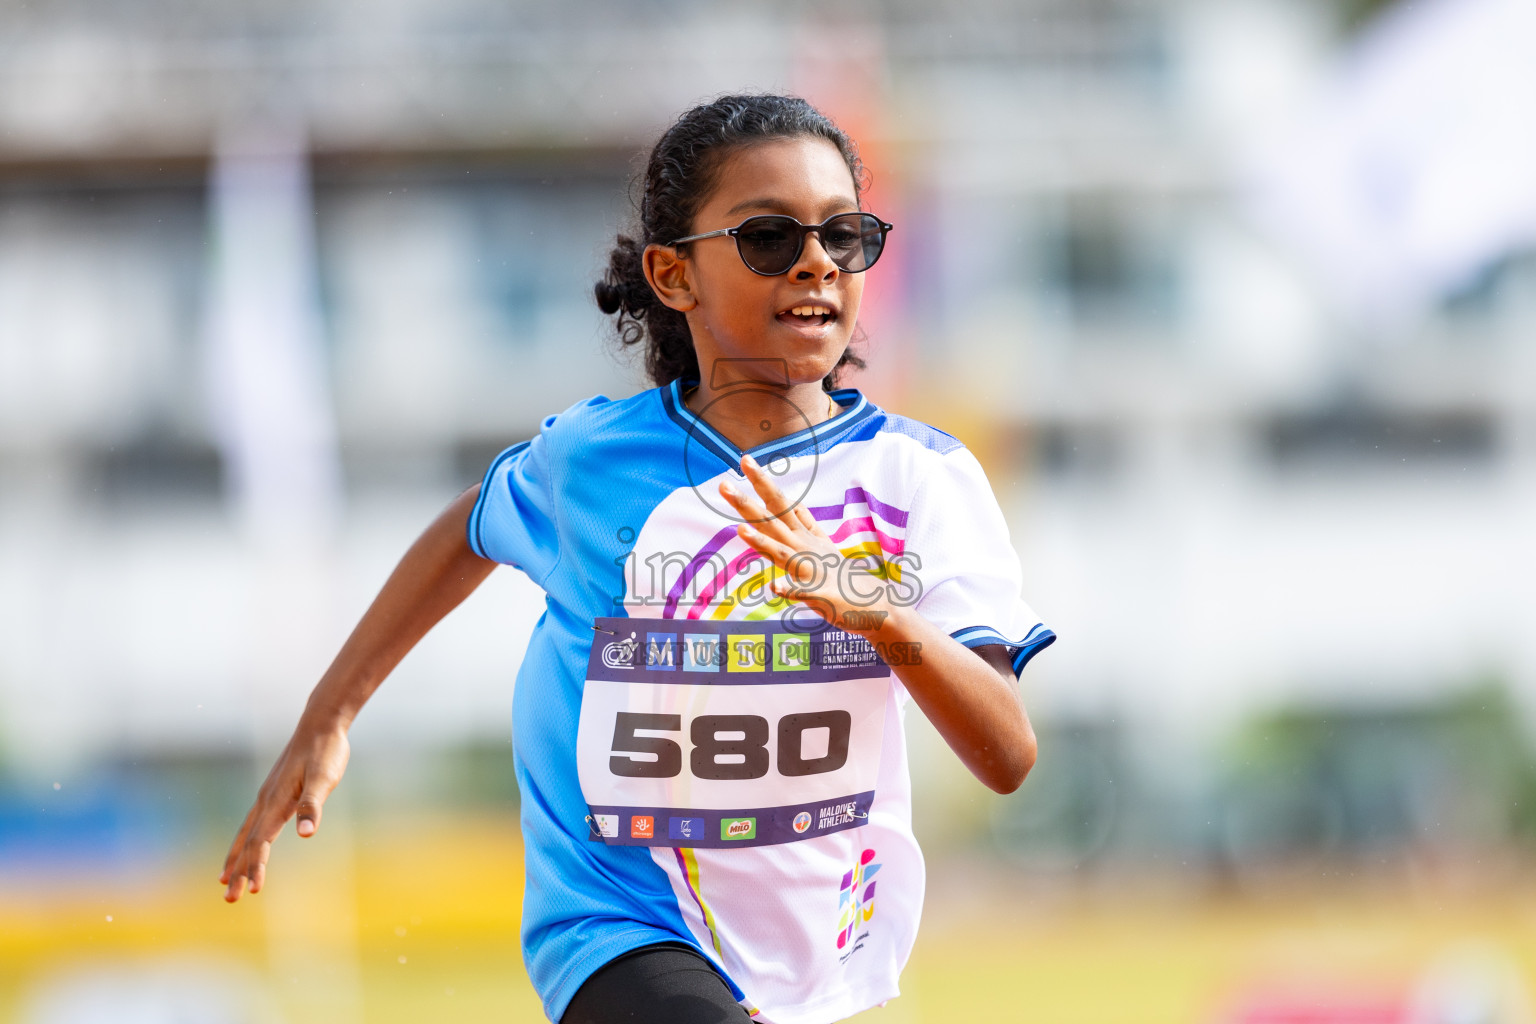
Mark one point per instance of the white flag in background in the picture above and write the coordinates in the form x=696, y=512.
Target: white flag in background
x=1415, y=168
x=268, y=386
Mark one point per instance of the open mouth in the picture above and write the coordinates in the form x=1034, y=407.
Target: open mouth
x=809, y=314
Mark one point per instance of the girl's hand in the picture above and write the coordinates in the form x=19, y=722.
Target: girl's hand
x=969, y=695
x=811, y=570
x=436, y=574
x=308, y=769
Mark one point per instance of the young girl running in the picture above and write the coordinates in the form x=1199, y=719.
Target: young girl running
x=748, y=573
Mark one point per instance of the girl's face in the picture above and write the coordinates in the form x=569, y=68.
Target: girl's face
x=734, y=313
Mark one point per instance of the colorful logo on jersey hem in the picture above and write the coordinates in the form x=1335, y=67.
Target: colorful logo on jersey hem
x=856, y=900
x=802, y=821
x=738, y=828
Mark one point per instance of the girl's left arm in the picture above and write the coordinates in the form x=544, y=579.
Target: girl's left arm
x=970, y=695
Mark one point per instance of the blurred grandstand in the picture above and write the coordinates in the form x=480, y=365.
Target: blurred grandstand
x=277, y=281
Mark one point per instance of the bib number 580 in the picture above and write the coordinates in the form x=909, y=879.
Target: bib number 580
x=727, y=746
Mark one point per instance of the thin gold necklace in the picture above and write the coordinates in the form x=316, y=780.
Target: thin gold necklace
x=832, y=407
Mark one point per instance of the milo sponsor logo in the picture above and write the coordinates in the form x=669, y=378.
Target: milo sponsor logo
x=836, y=814
x=738, y=828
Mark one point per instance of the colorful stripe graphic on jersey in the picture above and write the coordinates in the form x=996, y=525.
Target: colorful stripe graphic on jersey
x=690, y=865
x=866, y=528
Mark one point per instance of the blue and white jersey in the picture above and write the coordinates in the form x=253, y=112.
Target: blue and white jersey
x=699, y=761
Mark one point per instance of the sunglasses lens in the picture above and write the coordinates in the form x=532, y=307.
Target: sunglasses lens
x=769, y=245
x=854, y=240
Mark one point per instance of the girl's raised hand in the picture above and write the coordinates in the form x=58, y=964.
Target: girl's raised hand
x=970, y=696
x=308, y=769
x=788, y=535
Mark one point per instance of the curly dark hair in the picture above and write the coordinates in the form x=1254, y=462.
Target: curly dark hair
x=678, y=178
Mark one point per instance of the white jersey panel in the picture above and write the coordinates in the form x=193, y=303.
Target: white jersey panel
x=818, y=929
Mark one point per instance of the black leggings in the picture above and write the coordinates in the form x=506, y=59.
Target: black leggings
x=663, y=984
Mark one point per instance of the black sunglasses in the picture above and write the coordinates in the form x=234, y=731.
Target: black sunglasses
x=770, y=244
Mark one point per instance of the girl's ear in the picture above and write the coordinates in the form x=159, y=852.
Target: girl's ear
x=667, y=273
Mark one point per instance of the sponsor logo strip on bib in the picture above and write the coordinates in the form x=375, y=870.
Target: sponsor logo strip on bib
x=727, y=653
x=712, y=829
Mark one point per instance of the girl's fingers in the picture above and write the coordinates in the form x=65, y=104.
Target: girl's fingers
x=775, y=550
x=235, y=847
x=808, y=521
x=231, y=865
x=311, y=801
x=785, y=586
x=754, y=513
x=248, y=856
x=294, y=786
x=238, y=876
x=793, y=566
x=816, y=603
x=259, y=876
x=259, y=847
x=785, y=589
x=744, y=502
x=795, y=518
x=738, y=501
x=780, y=526
x=769, y=491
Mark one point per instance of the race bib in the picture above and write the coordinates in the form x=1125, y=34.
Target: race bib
x=720, y=734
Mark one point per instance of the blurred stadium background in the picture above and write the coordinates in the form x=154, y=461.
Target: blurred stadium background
x=1234, y=299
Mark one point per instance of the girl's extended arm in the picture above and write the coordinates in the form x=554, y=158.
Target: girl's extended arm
x=970, y=696
x=436, y=574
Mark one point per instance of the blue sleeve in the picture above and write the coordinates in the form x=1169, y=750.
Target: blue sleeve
x=513, y=521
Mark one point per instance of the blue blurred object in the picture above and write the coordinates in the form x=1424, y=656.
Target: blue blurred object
x=105, y=823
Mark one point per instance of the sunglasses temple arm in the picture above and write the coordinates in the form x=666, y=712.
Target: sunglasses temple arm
x=697, y=238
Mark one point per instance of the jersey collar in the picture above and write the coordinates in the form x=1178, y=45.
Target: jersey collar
x=854, y=408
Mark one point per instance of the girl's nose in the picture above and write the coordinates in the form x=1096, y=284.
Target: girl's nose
x=814, y=263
